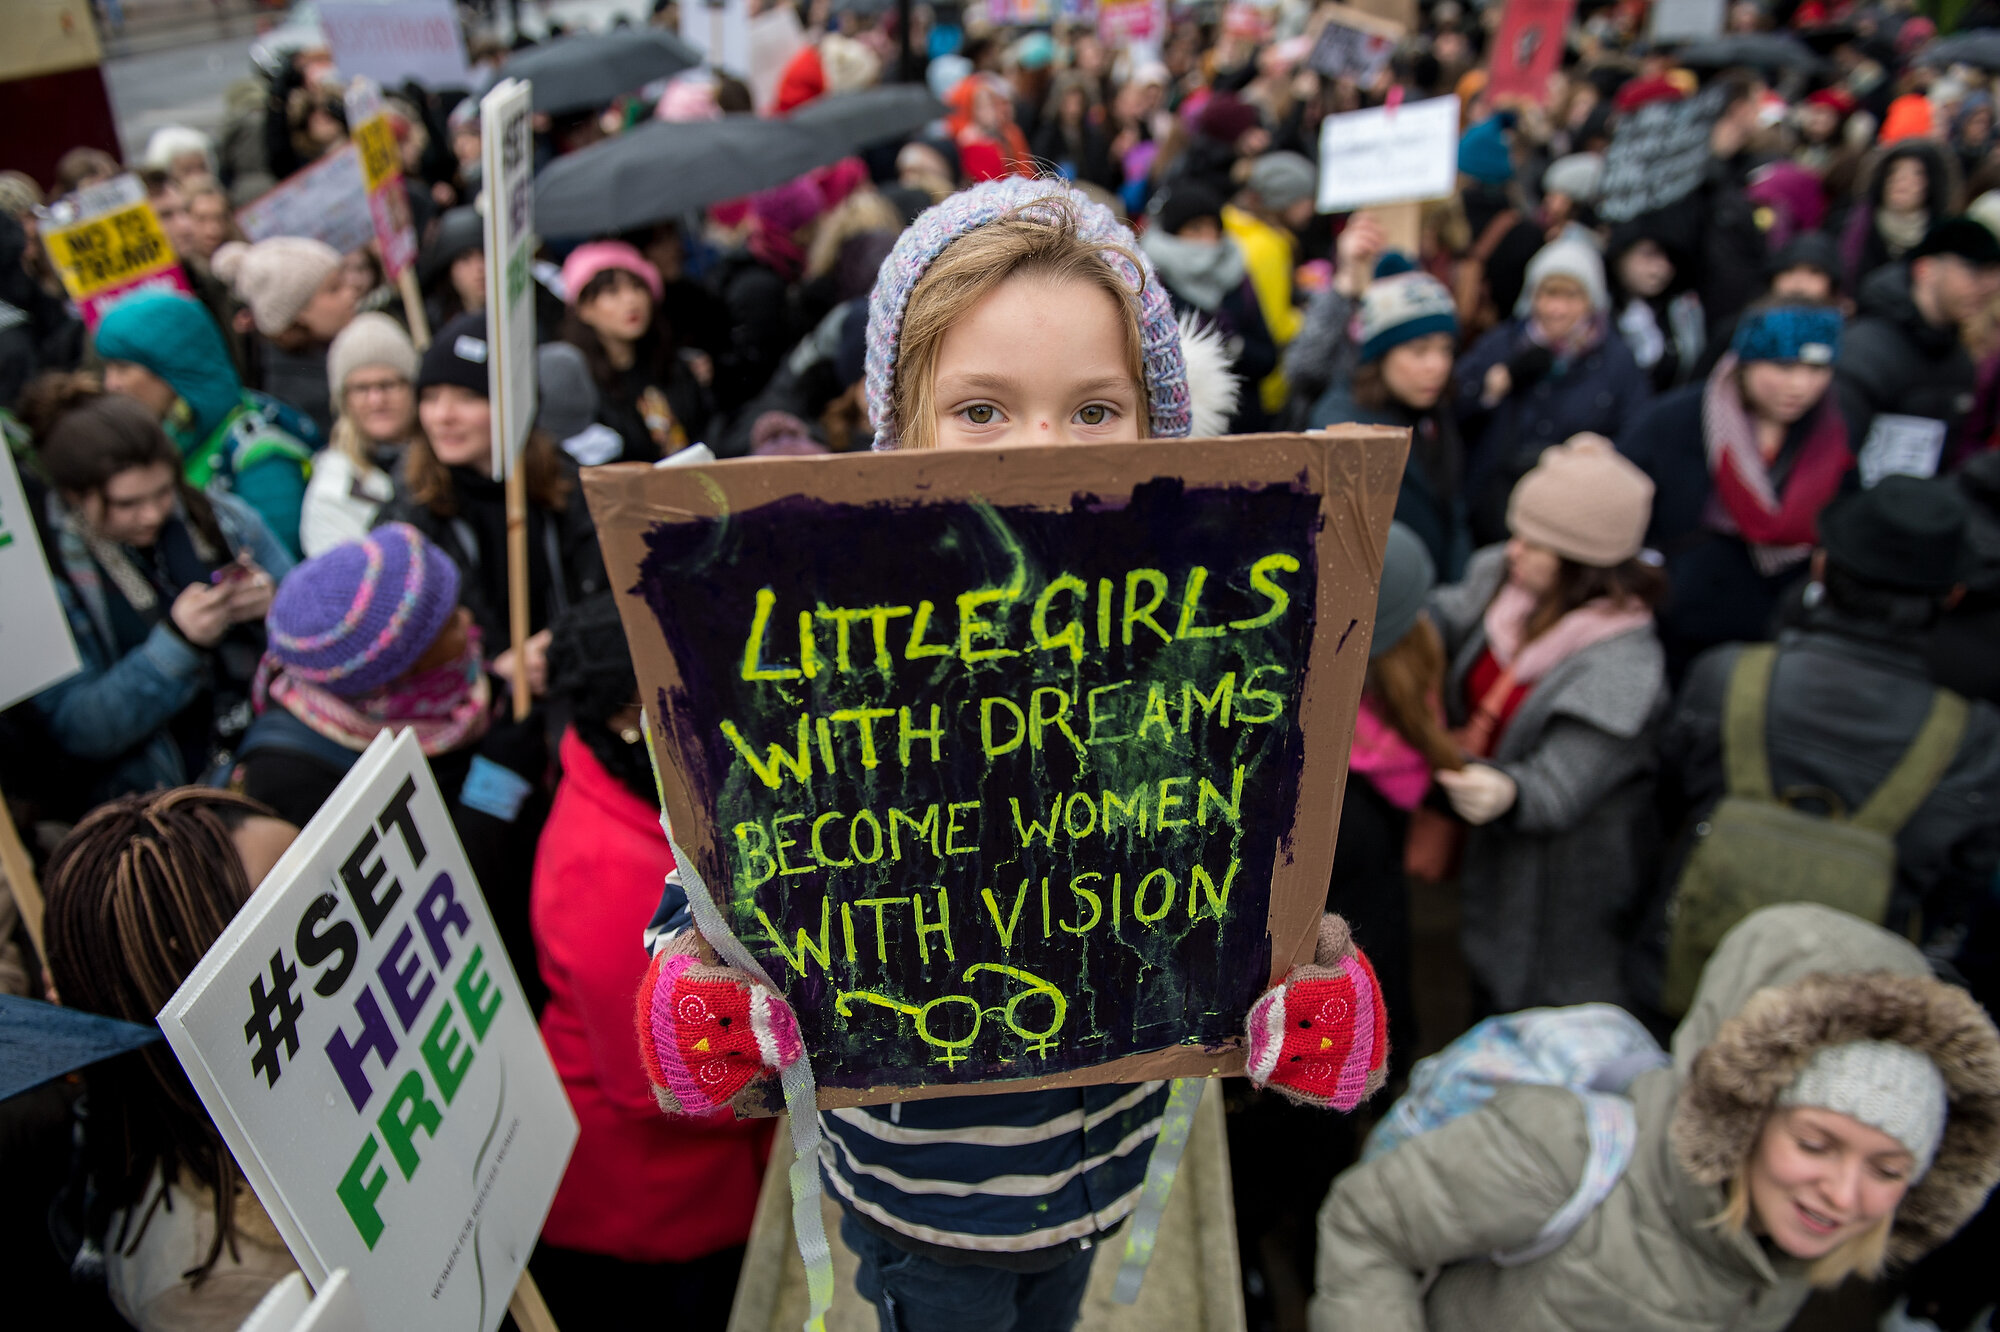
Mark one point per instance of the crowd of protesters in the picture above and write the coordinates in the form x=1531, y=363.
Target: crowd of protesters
x=1702, y=508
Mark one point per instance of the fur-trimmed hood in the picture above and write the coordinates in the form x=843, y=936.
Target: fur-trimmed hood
x=1794, y=979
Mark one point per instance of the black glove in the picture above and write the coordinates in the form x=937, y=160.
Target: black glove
x=1529, y=364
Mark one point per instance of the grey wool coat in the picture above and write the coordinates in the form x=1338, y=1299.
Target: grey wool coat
x=1786, y=982
x=1555, y=888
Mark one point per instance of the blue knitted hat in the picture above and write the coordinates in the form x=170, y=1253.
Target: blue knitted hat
x=926, y=238
x=1805, y=333
x=1401, y=308
x=356, y=618
x=1483, y=153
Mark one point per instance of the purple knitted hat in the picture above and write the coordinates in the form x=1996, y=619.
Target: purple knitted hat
x=935, y=228
x=356, y=618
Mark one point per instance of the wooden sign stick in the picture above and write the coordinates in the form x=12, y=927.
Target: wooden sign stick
x=20, y=872
x=530, y=1310
x=413, y=308
x=1402, y=223
x=517, y=580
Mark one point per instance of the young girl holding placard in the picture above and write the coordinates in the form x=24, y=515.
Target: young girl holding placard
x=1016, y=312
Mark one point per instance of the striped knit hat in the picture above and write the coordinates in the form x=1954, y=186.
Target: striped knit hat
x=358, y=617
x=927, y=237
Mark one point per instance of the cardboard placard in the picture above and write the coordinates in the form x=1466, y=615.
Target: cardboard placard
x=1020, y=13
x=40, y=651
x=507, y=150
x=327, y=201
x=1403, y=154
x=416, y=40
x=382, y=176
x=1658, y=155
x=113, y=249
x=1123, y=23
x=290, y=1307
x=1528, y=48
x=1353, y=45
x=1686, y=20
x=1013, y=767
x=388, y=1097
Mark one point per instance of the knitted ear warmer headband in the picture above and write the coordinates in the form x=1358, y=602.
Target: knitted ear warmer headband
x=926, y=238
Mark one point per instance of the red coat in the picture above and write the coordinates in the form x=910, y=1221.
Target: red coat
x=640, y=1187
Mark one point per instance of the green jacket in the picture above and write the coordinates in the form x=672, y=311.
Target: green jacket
x=1646, y=1260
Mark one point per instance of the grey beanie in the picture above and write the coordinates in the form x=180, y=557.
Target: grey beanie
x=1580, y=176
x=372, y=338
x=1407, y=578
x=1570, y=257
x=1882, y=1084
x=568, y=395
x=1282, y=179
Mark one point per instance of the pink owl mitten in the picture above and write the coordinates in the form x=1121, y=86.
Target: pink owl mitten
x=706, y=1031
x=1321, y=1036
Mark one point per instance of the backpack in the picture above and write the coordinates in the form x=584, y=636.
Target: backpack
x=1756, y=849
x=1595, y=1050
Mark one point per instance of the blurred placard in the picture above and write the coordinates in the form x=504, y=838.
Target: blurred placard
x=1388, y=155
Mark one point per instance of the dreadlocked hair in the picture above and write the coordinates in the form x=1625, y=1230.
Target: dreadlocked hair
x=136, y=894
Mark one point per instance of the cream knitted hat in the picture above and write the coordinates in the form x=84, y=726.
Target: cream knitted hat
x=372, y=338
x=275, y=277
x=1584, y=502
x=1882, y=1084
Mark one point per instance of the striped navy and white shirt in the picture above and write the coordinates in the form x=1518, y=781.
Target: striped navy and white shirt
x=1007, y=1173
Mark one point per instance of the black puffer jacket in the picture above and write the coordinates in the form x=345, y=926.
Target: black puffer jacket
x=1965, y=652
x=1892, y=359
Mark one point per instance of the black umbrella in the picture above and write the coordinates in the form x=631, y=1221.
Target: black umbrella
x=661, y=170
x=39, y=1041
x=872, y=115
x=1980, y=47
x=1759, y=50
x=591, y=68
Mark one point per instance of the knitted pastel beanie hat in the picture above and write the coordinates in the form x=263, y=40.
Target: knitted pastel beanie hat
x=926, y=238
x=1402, y=307
x=1882, y=1084
x=356, y=618
x=373, y=338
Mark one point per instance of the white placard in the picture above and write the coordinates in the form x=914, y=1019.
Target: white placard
x=1900, y=445
x=39, y=651
x=1384, y=155
x=507, y=151
x=1686, y=20
x=720, y=30
x=327, y=201
x=362, y=1044
x=290, y=1307
x=775, y=37
x=393, y=43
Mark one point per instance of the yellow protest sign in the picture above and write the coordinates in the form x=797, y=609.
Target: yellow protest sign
x=378, y=152
x=101, y=253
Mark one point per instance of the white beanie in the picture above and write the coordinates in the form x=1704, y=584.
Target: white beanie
x=373, y=338
x=1565, y=257
x=275, y=277
x=172, y=141
x=1883, y=1085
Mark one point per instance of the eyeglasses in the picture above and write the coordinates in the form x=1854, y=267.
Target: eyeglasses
x=377, y=388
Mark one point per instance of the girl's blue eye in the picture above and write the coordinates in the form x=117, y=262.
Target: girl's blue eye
x=1095, y=414
x=980, y=414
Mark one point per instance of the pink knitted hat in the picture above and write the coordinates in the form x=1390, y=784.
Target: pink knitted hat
x=1585, y=502
x=587, y=261
x=276, y=277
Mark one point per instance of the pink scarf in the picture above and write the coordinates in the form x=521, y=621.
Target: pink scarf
x=1385, y=758
x=1593, y=622
x=448, y=707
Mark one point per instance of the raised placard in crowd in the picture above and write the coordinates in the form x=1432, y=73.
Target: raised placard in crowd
x=1686, y=20
x=508, y=163
x=410, y=41
x=362, y=1044
x=1011, y=767
x=1397, y=154
x=1528, y=48
x=112, y=247
x=39, y=649
x=382, y=176
x=1122, y=23
x=1353, y=45
x=1658, y=156
x=720, y=30
x=327, y=201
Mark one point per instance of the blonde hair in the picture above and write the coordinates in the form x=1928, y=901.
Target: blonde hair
x=1045, y=240
x=859, y=213
x=1406, y=680
x=1863, y=1256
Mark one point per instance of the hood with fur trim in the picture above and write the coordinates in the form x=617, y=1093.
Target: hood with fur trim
x=1791, y=980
